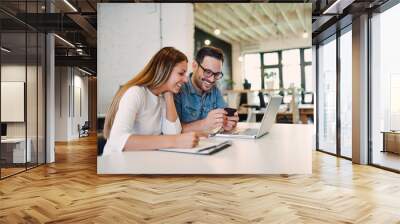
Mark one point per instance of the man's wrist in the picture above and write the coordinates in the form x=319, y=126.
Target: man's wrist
x=203, y=124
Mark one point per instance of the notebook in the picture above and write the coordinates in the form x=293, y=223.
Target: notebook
x=205, y=147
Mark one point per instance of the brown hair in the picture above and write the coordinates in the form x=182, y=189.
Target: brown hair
x=156, y=72
x=211, y=52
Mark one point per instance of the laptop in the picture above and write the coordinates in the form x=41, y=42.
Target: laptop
x=267, y=121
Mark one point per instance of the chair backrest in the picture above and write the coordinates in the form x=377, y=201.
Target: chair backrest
x=253, y=99
x=262, y=99
x=308, y=98
x=101, y=142
x=233, y=99
x=86, y=125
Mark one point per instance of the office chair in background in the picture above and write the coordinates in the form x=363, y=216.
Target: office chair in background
x=256, y=104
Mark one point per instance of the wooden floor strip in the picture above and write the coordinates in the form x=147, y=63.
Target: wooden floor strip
x=70, y=191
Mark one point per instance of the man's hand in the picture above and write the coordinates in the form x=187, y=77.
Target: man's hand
x=214, y=119
x=231, y=122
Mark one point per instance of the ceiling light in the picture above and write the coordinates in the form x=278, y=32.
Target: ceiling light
x=5, y=50
x=78, y=50
x=65, y=41
x=84, y=71
x=305, y=34
x=217, y=32
x=207, y=42
x=70, y=5
x=240, y=58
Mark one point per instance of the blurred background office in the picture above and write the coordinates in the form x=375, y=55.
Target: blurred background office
x=268, y=47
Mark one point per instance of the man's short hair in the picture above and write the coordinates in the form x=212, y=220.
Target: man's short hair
x=211, y=52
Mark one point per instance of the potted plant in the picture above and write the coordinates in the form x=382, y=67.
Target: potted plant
x=270, y=79
x=246, y=84
x=229, y=83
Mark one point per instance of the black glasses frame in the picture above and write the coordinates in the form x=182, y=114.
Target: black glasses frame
x=208, y=73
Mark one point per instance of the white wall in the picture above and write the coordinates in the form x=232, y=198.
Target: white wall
x=278, y=44
x=62, y=81
x=142, y=30
x=237, y=66
x=15, y=72
x=66, y=119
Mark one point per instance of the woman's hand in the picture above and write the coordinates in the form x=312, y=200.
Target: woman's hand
x=170, y=104
x=189, y=139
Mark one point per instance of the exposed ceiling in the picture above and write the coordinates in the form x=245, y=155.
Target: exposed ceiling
x=247, y=23
x=332, y=15
x=255, y=22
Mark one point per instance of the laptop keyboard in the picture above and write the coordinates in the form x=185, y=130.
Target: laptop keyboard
x=249, y=131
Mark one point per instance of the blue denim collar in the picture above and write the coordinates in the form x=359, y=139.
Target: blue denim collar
x=192, y=89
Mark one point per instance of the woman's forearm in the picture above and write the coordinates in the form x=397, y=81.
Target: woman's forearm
x=171, y=113
x=149, y=142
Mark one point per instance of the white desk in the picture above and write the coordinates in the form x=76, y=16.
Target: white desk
x=18, y=144
x=287, y=149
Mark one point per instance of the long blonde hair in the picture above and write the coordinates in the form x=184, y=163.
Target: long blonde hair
x=156, y=72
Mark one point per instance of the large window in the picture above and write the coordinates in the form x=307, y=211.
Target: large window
x=346, y=93
x=291, y=68
x=327, y=96
x=280, y=69
x=309, y=83
x=272, y=70
x=385, y=89
x=252, y=70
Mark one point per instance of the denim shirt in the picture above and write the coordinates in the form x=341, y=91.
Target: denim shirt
x=192, y=106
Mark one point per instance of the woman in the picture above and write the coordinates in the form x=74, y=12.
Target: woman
x=144, y=108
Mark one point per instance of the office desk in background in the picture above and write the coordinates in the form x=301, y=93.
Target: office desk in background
x=13, y=150
x=287, y=149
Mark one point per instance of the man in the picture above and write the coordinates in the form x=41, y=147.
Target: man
x=200, y=103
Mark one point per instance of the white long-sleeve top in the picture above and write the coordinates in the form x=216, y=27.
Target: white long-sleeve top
x=140, y=112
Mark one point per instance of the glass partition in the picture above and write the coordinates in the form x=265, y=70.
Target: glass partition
x=385, y=89
x=327, y=96
x=346, y=94
x=22, y=88
x=13, y=104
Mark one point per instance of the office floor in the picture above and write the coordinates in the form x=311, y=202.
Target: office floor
x=9, y=170
x=70, y=191
x=387, y=159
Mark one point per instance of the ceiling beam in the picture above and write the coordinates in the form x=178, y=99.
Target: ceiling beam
x=248, y=34
x=212, y=25
x=286, y=18
x=207, y=29
x=301, y=18
x=255, y=14
x=256, y=33
x=217, y=22
x=270, y=15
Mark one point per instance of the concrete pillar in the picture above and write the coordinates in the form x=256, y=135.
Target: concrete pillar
x=360, y=90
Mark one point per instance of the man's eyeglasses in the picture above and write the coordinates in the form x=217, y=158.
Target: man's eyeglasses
x=208, y=73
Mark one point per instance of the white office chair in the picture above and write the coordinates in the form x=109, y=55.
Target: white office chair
x=254, y=100
x=233, y=99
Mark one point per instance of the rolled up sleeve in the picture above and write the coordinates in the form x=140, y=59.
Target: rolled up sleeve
x=171, y=128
